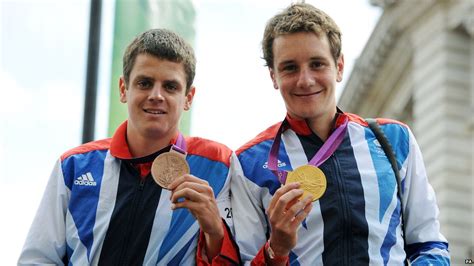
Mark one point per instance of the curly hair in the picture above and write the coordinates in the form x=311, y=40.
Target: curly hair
x=300, y=17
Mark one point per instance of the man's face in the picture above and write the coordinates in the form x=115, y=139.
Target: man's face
x=305, y=72
x=155, y=97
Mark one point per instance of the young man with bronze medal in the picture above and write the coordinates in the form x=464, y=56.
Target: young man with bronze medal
x=102, y=205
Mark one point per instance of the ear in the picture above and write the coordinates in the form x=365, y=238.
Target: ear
x=122, y=90
x=272, y=76
x=189, y=98
x=340, y=67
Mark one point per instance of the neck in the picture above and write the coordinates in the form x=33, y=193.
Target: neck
x=141, y=146
x=321, y=126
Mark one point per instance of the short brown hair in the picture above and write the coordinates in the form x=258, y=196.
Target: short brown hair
x=300, y=17
x=163, y=44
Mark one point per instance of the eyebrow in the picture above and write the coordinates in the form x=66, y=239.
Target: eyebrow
x=286, y=62
x=141, y=76
x=319, y=58
x=171, y=80
x=291, y=61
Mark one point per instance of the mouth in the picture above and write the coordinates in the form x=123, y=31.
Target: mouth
x=307, y=94
x=154, y=111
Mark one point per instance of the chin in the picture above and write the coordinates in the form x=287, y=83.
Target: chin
x=155, y=131
x=305, y=114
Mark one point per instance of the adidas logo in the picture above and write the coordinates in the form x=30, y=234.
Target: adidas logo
x=378, y=148
x=377, y=143
x=85, y=180
x=280, y=164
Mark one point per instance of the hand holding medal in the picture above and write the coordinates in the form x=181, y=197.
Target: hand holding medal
x=171, y=171
x=291, y=203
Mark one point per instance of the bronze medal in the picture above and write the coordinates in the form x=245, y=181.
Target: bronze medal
x=167, y=167
x=311, y=178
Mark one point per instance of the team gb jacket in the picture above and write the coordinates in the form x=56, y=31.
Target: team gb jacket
x=357, y=220
x=98, y=210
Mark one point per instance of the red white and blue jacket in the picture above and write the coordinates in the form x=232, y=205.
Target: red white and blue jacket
x=357, y=220
x=102, y=207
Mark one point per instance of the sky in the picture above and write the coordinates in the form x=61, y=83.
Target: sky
x=43, y=49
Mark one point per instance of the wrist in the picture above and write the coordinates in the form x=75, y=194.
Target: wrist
x=217, y=234
x=277, y=248
x=273, y=256
x=213, y=243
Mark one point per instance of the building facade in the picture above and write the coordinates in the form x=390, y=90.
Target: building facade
x=418, y=67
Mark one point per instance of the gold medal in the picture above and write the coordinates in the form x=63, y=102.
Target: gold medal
x=311, y=178
x=167, y=167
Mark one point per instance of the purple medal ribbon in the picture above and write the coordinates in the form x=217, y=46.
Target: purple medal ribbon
x=328, y=148
x=180, y=145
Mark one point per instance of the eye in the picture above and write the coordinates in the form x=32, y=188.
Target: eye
x=316, y=64
x=171, y=86
x=144, y=84
x=289, y=68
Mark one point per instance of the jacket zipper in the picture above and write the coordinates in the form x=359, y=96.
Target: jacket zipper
x=131, y=222
x=346, y=224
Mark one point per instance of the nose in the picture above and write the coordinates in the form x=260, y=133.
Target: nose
x=305, y=78
x=156, y=93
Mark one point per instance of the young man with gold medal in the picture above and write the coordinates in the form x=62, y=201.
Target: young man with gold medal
x=317, y=188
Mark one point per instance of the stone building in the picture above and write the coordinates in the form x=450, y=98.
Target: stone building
x=418, y=67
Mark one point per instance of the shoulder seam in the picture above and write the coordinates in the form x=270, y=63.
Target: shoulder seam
x=98, y=145
x=267, y=134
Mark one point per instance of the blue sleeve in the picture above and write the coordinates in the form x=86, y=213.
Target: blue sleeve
x=428, y=253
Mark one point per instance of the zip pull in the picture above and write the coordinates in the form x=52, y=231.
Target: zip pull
x=142, y=184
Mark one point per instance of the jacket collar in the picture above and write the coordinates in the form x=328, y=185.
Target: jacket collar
x=301, y=127
x=119, y=145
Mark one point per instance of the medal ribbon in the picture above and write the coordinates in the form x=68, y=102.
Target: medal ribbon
x=328, y=148
x=180, y=145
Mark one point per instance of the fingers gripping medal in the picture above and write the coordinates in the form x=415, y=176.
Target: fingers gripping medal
x=311, y=178
x=170, y=165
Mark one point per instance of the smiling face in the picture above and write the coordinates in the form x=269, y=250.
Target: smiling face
x=305, y=73
x=156, y=96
